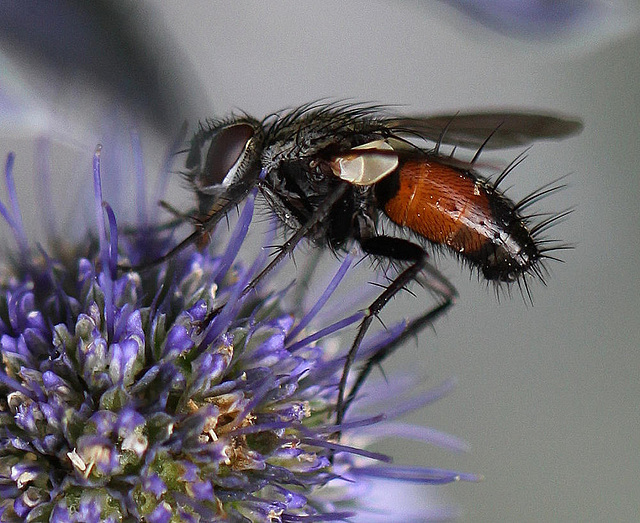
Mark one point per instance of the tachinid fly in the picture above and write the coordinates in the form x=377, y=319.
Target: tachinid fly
x=333, y=173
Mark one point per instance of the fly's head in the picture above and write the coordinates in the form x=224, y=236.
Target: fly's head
x=224, y=161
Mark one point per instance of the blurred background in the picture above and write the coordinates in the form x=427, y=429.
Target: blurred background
x=547, y=395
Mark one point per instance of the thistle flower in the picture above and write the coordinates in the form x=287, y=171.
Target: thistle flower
x=124, y=398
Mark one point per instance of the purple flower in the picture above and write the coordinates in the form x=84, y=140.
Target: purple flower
x=125, y=398
x=552, y=19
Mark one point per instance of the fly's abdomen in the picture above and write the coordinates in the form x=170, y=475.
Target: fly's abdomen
x=451, y=207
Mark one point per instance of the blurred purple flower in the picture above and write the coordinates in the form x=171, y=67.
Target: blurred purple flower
x=124, y=398
x=545, y=19
x=50, y=49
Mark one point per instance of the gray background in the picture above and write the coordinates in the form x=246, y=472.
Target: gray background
x=547, y=395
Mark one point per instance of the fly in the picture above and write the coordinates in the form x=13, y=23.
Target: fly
x=334, y=173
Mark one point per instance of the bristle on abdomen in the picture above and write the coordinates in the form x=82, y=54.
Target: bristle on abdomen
x=458, y=209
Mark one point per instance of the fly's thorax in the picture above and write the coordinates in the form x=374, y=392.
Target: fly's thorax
x=288, y=146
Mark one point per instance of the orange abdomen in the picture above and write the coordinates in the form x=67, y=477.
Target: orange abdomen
x=441, y=203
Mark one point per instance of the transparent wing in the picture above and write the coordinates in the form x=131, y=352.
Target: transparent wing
x=498, y=129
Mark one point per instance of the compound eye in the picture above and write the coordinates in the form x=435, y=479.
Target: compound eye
x=225, y=153
x=366, y=164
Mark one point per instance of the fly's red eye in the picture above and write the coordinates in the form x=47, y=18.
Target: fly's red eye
x=225, y=151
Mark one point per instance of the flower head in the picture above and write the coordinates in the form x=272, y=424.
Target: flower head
x=167, y=396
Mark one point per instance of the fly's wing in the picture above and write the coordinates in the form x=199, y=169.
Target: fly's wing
x=490, y=130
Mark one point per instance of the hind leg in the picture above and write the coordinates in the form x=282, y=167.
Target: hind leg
x=401, y=250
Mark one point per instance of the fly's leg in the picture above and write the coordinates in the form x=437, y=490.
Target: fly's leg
x=179, y=218
x=288, y=246
x=203, y=227
x=413, y=328
x=178, y=215
x=396, y=249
